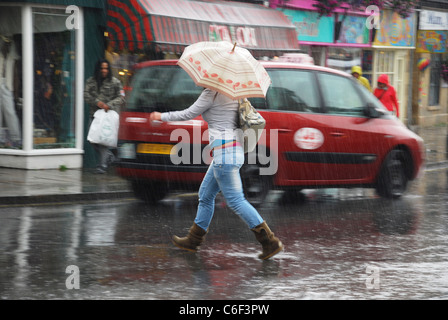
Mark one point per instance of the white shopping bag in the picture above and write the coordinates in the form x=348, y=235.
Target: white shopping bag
x=104, y=128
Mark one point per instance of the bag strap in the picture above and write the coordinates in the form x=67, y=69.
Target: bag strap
x=384, y=92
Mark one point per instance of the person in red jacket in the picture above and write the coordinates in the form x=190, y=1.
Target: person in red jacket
x=387, y=94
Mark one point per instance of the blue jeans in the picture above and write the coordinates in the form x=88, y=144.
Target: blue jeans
x=223, y=175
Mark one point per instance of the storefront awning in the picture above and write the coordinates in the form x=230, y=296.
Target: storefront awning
x=173, y=24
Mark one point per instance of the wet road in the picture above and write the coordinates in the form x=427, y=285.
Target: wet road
x=339, y=244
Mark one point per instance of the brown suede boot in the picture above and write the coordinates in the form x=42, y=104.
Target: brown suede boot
x=271, y=245
x=193, y=239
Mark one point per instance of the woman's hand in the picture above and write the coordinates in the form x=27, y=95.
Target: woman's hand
x=155, y=116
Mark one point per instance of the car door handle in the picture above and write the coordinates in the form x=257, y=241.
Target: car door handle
x=284, y=130
x=337, y=134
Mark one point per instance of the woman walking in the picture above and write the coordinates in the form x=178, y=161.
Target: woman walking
x=220, y=112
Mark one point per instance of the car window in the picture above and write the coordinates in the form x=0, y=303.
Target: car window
x=340, y=95
x=291, y=90
x=162, y=88
x=370, y=98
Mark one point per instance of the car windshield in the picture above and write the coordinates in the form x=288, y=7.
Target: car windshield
x=162, y=88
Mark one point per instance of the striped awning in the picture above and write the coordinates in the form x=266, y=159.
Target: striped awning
x=170, y=25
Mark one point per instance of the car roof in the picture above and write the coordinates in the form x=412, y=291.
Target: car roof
x=266, y=64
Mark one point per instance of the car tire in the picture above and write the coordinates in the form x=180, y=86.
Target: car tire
x=392, y=180
x=149, y=192
x=256, y=187
x=292, y=196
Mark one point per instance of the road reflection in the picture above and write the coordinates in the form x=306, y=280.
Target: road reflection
x=123, y=249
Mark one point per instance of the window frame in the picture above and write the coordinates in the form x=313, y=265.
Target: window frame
x=434, y=80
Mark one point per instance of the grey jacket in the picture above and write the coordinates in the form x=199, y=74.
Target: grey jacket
x=218, y=110
x=111, y=93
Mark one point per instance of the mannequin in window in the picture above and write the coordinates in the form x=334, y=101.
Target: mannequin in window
x=8, y=117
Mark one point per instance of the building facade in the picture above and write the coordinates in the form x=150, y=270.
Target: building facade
x=347, y=38
x=42, y=71
x=430, y=97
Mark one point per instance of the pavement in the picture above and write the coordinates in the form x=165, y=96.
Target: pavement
x=26, y=187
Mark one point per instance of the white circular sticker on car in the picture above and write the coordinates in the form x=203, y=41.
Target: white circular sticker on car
x=308, y=138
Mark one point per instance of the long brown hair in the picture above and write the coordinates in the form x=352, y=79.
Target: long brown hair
x=97, y=73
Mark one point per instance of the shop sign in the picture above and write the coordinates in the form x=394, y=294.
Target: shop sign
x=310, y=27
x=431, y=41
x=243, y=36
x=433, y=20
x=395, y=31
x=354, y=30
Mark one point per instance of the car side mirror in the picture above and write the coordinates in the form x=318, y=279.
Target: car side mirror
x=370, y=111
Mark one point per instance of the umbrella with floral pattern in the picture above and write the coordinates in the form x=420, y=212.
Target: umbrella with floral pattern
x=226, y=68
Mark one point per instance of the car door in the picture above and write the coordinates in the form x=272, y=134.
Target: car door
x=353, y=142
x=294, y=110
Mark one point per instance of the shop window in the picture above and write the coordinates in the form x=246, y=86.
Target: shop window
x=384, y=64
x=343, y=58
x=318, y=53
x=10, y=78
x=367, y=63
x=434, y=80
x=54, y=80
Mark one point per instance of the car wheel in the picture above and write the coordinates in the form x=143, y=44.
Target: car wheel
x=292, y=196
x=392, y=180
x=256, y=187
x=149, y=192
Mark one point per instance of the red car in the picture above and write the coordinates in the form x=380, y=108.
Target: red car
x=323, y=129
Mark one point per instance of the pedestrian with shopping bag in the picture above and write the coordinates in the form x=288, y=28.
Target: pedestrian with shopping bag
x=228, y=73
x=105, y=95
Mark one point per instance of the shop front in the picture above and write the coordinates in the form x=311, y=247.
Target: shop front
x=42, y=74
x=161, y=29
x=430, y=105
x=392, y=54
x=347, y=38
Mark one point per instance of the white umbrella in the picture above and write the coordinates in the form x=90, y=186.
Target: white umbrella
x=226, y=68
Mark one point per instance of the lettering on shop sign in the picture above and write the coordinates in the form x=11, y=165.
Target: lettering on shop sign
x=72, y=21
x=243, y=36
x=309, y=26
